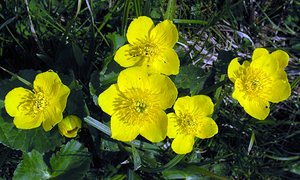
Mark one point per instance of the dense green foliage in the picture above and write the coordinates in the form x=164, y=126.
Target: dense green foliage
x=78, y=40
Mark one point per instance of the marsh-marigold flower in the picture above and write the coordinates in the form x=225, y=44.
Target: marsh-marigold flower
x=150, y=46
x=136, y=104
x=44, y=104
x=69, y=126
x=260, y=82
x=191, y=119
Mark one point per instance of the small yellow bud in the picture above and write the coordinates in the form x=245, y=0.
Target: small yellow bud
x=69, y=126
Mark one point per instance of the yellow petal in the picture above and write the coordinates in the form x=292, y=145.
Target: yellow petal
x=238, y=93
x=133, y=78
x=245, y=65
x=257, y=108
x=53, y=89
x=51, y=116
x=48, y=82
x=159, y=86
x=196, y=106
x=182, y=105
x=259, y=52
x=201, y=106
x=166, y=62
x=106, y=99
x=125, y=58
x=164, y=34
x=155, y=129
x=60, y=97
x=265, y=63
x=278, y=90
x=233, y=69
x=30, y=121
x=123, y=131
x=280, y=74
x=282, y=58
x=172, y=125
x=15, y=98
x=139, y=29
x=183, y=144
x=207, y=128
x=163, y=89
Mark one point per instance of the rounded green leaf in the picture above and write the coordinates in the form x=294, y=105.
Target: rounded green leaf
x=71, y=162
x=32, y=167
x=27, y=140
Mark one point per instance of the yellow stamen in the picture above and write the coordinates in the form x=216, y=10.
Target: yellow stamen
x=187, y=124
x=254, y=82
x=134, y=106
x=35, y=103
x=144, y=48
x=40, y=102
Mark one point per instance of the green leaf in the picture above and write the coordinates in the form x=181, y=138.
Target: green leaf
x=251, y=142
x=167, y=166
x=32, y=167
x=71, y=162
x=131, y=175
x=224, y=58
x=7, y=22
x=75, y=104
x=110, y=146
x=155, y=13
x=190, y=172
x=136, y=158
x=171, y=10
x=117, y=40
x=108, y=79
x=191, y=77
x=27, y=140
x=77, y=53
x=295, y=168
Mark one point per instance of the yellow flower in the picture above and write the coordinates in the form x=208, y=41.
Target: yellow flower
x=136, y=104
x=191, y=119
x=150, y=46
x=69, y=126
x=260, y=82
x=45, y=104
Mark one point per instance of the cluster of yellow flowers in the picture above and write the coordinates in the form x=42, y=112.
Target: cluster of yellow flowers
x=143, y=91
x=137, y=102
x=44, y=105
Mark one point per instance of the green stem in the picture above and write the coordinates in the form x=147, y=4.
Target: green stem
x=171, y=10
x=295, y=82
x=106, y=130
x=18, y=77
x=169, y=165
x=189, y=21
x=137, y=6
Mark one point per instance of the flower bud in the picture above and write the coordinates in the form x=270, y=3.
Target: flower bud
x=69, y=126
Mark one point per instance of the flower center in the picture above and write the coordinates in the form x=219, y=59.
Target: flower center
x=254, y=81
x=146, y=49
x=39, y=101
x=134, y=106
x=139, y=106
x=186, y=124
x=33, y=103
